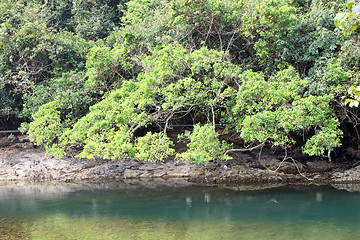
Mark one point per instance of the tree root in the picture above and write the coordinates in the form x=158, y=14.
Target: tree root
x=261, y=145
x=282, y=161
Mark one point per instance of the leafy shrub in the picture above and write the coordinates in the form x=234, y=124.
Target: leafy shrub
x=8, y=107
x=153, y=147
x=273, y=111
x=175, y=83
x=265, y=24
x=69, y=90
x=355, y=96
x=107, y=130
x=326, y=139
x=204, y=146
x=175, y=61
x=313, y=40
x=255, y=94
x=46, y=128
x=107, y=68
x=112, y=144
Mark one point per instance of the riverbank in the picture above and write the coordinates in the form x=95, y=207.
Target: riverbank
x=21, y=160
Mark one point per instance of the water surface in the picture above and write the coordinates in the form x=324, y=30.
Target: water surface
x=128, y=211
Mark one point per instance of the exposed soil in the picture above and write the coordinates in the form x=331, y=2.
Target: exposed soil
x=20, y=160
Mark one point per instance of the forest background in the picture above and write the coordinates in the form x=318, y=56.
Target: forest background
x=111, y=78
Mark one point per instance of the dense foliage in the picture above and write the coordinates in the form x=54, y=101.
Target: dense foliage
x=111, y=78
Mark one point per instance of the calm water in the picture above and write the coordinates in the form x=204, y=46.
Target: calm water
x=122, y=211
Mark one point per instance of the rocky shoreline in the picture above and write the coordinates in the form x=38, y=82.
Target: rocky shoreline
x=21, y=161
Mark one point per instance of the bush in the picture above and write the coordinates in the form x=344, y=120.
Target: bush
x=69, y=90
x=153, y=147
x=204, y=146
x=275, y=110
x=46, y=128
x=112, y=144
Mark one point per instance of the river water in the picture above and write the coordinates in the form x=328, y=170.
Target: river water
x=133, y=211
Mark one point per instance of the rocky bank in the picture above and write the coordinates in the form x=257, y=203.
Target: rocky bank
x=21, y=160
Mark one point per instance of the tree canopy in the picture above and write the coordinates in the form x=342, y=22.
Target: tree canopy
x=110, y=78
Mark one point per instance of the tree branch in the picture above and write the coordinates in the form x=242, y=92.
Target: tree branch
x=246, y=149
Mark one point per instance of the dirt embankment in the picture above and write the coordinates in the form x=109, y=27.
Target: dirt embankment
x=20, y=160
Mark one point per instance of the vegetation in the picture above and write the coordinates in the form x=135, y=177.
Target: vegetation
x=110, y=78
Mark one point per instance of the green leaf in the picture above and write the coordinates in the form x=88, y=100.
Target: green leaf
x=350, y=4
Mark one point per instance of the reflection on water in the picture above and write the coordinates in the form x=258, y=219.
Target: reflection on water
x=123, y=211
x=319, y=196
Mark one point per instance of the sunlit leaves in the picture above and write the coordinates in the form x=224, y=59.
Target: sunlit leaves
x=204, y=145
x=348, y=21
x=272, y=111
x=153, y=147
x=355, y=96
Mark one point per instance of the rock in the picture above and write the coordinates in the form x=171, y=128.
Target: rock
x=355, y=187
x=18, y=163
x=351, y=175
x=352, y=153
x=319, y=166
x=21, y=174
x=290, y=168
x=160, y=173
x=129, y=173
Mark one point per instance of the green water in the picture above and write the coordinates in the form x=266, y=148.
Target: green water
x=123, y=211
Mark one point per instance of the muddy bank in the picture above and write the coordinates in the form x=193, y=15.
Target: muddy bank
x=20, y=160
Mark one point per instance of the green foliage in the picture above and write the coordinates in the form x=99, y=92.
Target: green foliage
x=42, y=40
x=335, y=75
x=313, y=40
x=215, y=24
x=204, y=146
x=326, y=139
x=107, y=130
x=355, y=96
x=93, y=19
x=90, y=19
x=111, y=144
x=248, y=30
x=54, y=108
x=184, y=83
x=106, y=68
x=148, y=21
x=267, y=22
x=32, y=52
x=69, y=90
x=328, y=79
x=7, y=106
x=46, y=127
x=303, y=115
x=273, y=70
x=348, y=21
x=255, y=94
x=175, y=84
x=349, y=55
x=274, y=110
x=153, y=147
x=316, y=113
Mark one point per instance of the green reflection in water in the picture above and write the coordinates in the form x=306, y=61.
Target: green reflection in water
x=60, y=226
x=178, y=213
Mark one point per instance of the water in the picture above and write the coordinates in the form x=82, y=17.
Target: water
x=123, y=211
